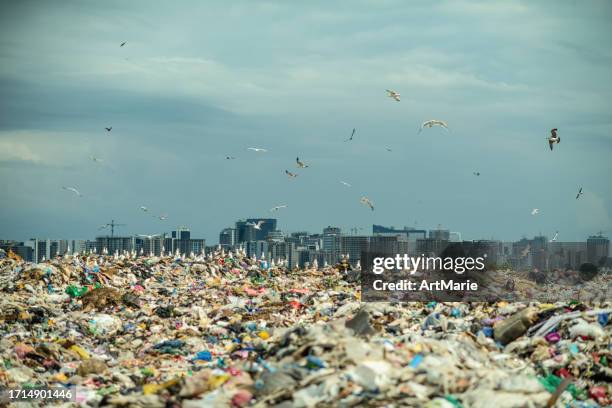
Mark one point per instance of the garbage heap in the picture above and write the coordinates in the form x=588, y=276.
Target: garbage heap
x=226, y=330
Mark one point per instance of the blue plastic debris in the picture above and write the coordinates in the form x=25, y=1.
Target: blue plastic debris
x=314, y=362
x=487, y=331
x=416, y=361
x=603, y=319
x=203, y=356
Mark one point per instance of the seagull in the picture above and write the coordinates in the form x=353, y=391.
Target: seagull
x=555, y=237
x=148, y=236
x=74, y=190
x=95, y=159
x=388, y=149
x=535, y=211
x=108, y=129
x=476, y=173
x=123, y=43
x=392, y=94
x=351, y=138
x=229, y=157
x=258, y=225
x=579, y=193
x=345, y=183
x=143, y=208
x=278, y=207
x=366, y=201
x=257, y=149
x=431, y=123
x=102, y=227
x=553, y=138
x=300, y=164
x=290, y=174
x=162, y=217
x=525, y=251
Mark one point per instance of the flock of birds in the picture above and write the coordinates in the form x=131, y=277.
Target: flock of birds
x=428, y=124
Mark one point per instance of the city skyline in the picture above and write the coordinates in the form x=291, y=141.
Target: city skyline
x=151, y=123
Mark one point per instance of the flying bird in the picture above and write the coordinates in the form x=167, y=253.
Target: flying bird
x=123, y=43
x=162, y=217
x=579, y=193
x=555, y=237
x=95, y=159
x=102, y=227
x=300, y=164
x=476, y=173
x=290, y=174
x=257, y=149
x=535, y=211
x=258, y=225
x=431, y=123
x=525, y=251
x=351, y=138
x=229, y=157
x=392, y=94
x=143, y=208
x=553, y=138
x=345, y=183
x=278, y=207
x=148, y=236
x=108, y=129
x=388, y=149
x=366, y=201
x=74, y=190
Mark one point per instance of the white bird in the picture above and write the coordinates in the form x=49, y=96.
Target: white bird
x=74, y=190
x=392, y=94
x=366, y=201
x=148, y=236
x=229, y=157
x=278, y=207
x=162, y=217
x=258, y=225
x=102, y=227
x=535, y=211
x=431, y=123
x=300, y=164
x=257, y=149
x=579, y=193
x=143, y=208
x=553, y=138
x=345, y=183
x=555, y=237
x=95, y=159
x=290, y=174
x=388, y=149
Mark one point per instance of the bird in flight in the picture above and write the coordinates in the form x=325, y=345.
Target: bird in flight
x=431, y=123
x=257, y=149
x=102, y=227
x=553, y=138
x=476, y=173
x=108, y=129
x=123, y=43
x=229, y=157
x=143, y=208
x=392, y=94
x=95, y=159
x=290, y=174
x=300, y=164
x=535, y=211
x=148, y=236
x=388, y=149
x=258, y=225
x=579, y=193
x=525, y=251
x=345, y=183
x=74, y=190
x=555, y=237
x=278, y=207
x=352, y=134
x=366, y=201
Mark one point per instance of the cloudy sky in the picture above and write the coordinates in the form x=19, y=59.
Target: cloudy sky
x=199, y=80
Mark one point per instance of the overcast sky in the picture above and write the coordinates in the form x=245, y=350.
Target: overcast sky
x=199, y=80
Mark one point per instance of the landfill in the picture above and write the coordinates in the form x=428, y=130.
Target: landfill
x=225, y=330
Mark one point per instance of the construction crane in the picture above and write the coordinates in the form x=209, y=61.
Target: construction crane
x=111, y=224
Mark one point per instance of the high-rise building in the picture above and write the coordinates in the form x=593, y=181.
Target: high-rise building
x=598, y=249
x=440, y=234
x=276, y=236
x=244, y=232
x=353, y=245
x=411, y=234
x=331, y=244
x=114, y=244
x=227, y=237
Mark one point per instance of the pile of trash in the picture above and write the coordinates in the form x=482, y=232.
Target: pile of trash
x=227, y=330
